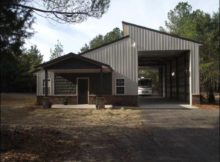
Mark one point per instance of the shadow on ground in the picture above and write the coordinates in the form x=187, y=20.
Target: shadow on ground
x=110, y=144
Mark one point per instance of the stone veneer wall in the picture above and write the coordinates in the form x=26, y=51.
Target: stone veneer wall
x=115, y=100
x=56, y=99
x=195, y=99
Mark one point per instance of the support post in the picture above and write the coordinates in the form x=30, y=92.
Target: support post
x=101, y=80
x=165, y=77
x=161, y=81
x=185, y=77
x=171, y=84
x=177, y=79
x=100, y=100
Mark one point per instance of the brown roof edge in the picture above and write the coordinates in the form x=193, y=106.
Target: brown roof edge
x=93, y=61
x=106, y=44
x=172, y=35
x=70, y=55
x=58, y=59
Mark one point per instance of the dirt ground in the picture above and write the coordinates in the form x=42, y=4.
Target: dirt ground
x=34, y=134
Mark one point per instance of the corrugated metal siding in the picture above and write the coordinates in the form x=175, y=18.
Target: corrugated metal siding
x=122, y=57
x=151, y=40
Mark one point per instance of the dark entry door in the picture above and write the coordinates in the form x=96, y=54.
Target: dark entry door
x=83, y=91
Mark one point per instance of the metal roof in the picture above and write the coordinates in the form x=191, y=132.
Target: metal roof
x=106, y=44
x=172, y=35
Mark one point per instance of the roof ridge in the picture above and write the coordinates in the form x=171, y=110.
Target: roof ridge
x=57, y=59
x=161, y=32
x=72, y=55
x=105, y=44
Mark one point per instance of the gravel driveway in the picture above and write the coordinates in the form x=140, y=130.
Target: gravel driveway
x=109, y=135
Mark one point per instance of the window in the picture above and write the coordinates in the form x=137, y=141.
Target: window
x=120, y=86
x=64, y=84
x=48, y=85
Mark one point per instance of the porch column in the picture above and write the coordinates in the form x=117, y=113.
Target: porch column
x=185, y=77
x=177, y=79
x=101, y=80
x=165, y=80
x=46, y=82
x=160, y=81
x=171, y=84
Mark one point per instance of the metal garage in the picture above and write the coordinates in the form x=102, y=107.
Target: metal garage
x=172, y=55
x=176, y=58
x=173, y=71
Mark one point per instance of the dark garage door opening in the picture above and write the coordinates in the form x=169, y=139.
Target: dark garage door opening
x=148, y=81
x=172, y=69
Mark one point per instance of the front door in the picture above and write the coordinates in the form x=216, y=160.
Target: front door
x=83, y=90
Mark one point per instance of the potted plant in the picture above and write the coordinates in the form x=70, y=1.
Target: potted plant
x=65, y=100
x=46, y=103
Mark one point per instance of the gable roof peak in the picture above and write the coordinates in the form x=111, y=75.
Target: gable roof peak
x=161, y=32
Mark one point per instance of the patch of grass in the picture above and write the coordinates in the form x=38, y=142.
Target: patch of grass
x=37, y=135
x=17, y=99
x=36, y=144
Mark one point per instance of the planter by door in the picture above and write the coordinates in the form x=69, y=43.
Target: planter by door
x=83, y=91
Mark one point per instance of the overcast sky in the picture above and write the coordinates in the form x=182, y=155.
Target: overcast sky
x=149, y=13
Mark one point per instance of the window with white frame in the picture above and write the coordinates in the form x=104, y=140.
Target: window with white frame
x=48, y=85
x=120, y=86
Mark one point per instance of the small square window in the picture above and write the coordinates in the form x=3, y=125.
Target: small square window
x=120, y=90
x=120, y=86
x=120, y=82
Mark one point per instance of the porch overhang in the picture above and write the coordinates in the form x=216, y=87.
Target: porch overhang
x=74, y=63
x=93, y=70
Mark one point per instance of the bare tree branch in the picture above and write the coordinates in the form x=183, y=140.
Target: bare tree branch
x=66, y=11
x=51, y=11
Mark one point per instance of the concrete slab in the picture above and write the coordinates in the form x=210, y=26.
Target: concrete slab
x=78, y=106
x=168, y=106
x=154, y=102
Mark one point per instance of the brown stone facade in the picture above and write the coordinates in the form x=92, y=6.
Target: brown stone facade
x=195, y=99
x=116, y=100
x=57, y=99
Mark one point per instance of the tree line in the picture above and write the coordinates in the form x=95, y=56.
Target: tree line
x=204, y=28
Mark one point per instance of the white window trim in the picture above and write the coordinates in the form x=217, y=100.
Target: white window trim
x=116, y=86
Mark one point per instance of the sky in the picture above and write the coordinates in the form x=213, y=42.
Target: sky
x=149, y=13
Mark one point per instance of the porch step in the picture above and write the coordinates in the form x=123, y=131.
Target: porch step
x=79, y=106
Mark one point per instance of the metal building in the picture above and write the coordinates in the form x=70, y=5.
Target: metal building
x=116, y=65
